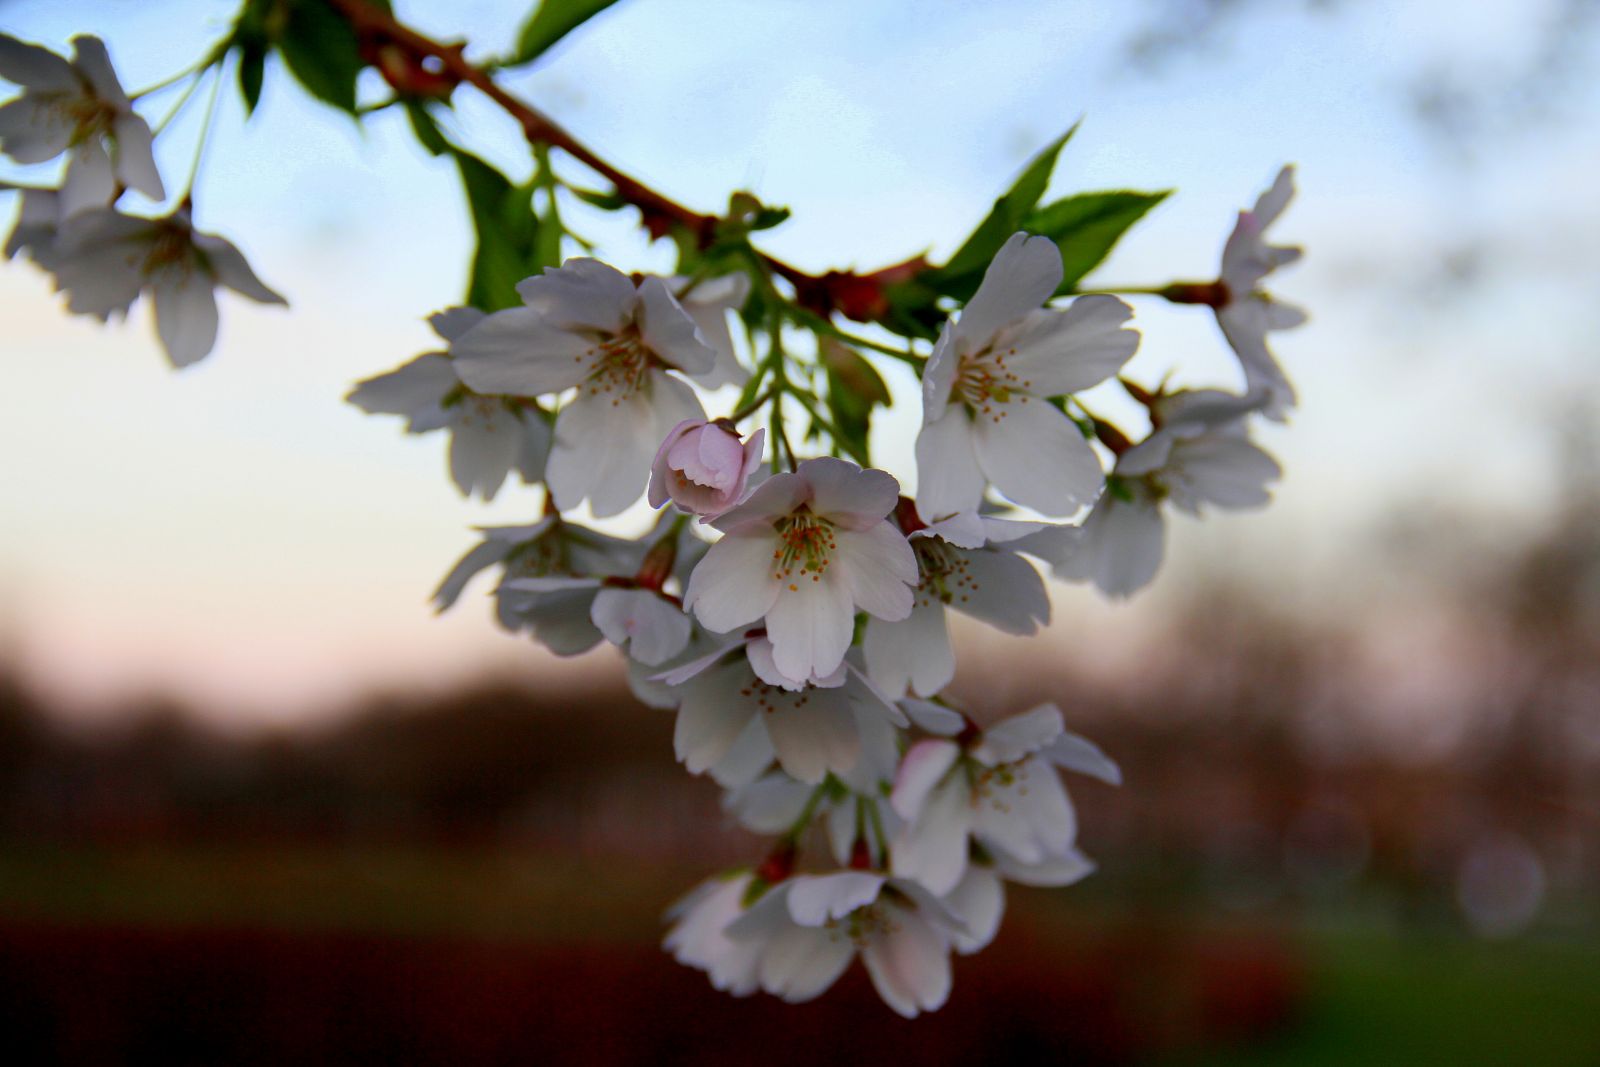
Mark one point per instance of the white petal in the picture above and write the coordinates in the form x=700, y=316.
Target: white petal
x=482, y=556
x=769, y=805
x=32, y=131
x=880, y=568
x=411, y=387
x=733, y=585
x=710, y=718
x=1270, y=204
x=233, y=270
x=909, y=965
x=980, y=900
x=1224, y=471
x=602, y=452
x=939, y=375
x=914, y=653
x=1024, y=274
x=1026, y=815
x=846, y=495
x=90, y=182
x=814, y=899
x=965, y=529
x=774, y=498
x=1121, y=547
x=1062, y=870
x=186, y=315
x=653, y=629
x=813, y=733
x=1019, y=735
x=934, y=718
x=1244, y=324
x=810, y=625
x=483, y=448
x=517, y=353
x=1036, y=456
x=1060, y=352
x=452, y=323
x=580, y=294
x=33, y=67
x=92, y=61
x=1079, y=754
x=801, y=962
x=932, y=848
x=1004, y=591
x=747, y=760
x=708, y=305
x=668, y=330
x=135, y=158
x=924, y=766
x=948, y=477
x=840, y=822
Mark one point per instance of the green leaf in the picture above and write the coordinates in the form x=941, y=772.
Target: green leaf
x=1088, y=226
x=502, y=216
x=854, y=389
x=611, y=201
x=550, y=21
x=427, y=131
x=321, y=51
x=252, y=70
x=547, y=241
x=960, y=276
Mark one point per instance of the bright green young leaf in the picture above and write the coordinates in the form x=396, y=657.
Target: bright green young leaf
x=959, y=278
x=550, y=21
x=1088, y=226
x=321, y=51
x=502, y=217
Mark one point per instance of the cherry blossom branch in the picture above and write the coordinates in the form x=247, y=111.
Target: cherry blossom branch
x=440, y=67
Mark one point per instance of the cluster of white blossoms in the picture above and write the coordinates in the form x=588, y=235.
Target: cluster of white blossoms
x=793, y=611
x=101, y=257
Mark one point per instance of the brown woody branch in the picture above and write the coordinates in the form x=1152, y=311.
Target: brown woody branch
x=417, y=64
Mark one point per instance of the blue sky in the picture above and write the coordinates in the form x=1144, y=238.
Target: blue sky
x=238, y=533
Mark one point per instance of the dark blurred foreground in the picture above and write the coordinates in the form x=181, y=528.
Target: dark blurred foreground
x=1375, y=841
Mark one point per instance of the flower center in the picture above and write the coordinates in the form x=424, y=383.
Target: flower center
x=985, y=384
x=170, y=249
x=863, y=924
x=622, y=365
x=946, y=573
x=805, y=547
x=996, y=786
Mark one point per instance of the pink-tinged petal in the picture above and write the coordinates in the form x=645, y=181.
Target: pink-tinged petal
x=774, y=498
x=914, y=653
x=846, y=495
x=733, y=585
x=880, y=569
x=1019, y=735
x=669, y=332
x=135, y=156
x=33, y=67
x=948, y=477
x=925, y=764
x=747, y=760
x=1036, y=456
x=1004, y=591
x=1023, y=275
x=653, y=629
x=801, y=962
x=932, y=848
x=517, y=353
x=935, y=719
x=980, y=900
x=657, y=493
x=710, y=718
x=1060, y=352
x=810, y=624
x=94, y=63
x=909, y=965
x=90, y=182
x=814, y=899
x=1082, y=755
x=759, y=651
x=483, y=449
x=581, y=294
x=1072, y=867
x=186, y=315
x=229, y=266
x=813, y=734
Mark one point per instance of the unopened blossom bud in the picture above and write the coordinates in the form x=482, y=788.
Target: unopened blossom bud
x=703, y=467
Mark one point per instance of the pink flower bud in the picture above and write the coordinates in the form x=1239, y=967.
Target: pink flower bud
x=703, y=467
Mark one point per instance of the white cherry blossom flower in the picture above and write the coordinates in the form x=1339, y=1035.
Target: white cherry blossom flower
x=737, y=713
x=805, y=552
x=1199, y=454
x=703, y=467
x=105, y=259
x=997, y=787
x=587, y=326
x=807, y=929
x=34, y=235
x=79, y=108
x=1246, y=313
x=986, y=417
x=489, y=436
x=967, y=563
